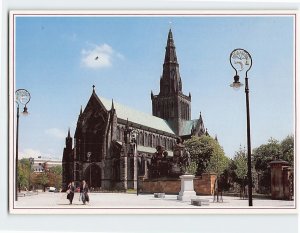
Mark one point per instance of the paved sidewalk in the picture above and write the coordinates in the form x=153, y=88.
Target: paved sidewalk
x=124, y=200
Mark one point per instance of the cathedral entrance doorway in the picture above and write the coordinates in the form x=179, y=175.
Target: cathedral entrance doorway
x=92, y=176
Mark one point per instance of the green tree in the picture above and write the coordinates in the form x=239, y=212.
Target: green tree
x=266, y=153
x=206, y=154
x=229, y=175
x=23, y=173
x=240, y=160
x=22, y=177
x=241, y=168
x=218, y=161
x=55, y=176
x=287, y=149
x=56, y=170
x=42, y=179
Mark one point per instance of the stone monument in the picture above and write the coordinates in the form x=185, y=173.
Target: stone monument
x=187, y=191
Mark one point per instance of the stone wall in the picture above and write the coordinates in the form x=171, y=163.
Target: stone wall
x=203, y=185
x=280, y=183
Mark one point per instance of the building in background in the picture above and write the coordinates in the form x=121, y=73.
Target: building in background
x=42, y=164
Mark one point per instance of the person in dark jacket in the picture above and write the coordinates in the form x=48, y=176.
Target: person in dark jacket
x=71, y=191
x=84, y=189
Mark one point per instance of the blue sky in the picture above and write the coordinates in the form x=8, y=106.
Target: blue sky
x=55, y=63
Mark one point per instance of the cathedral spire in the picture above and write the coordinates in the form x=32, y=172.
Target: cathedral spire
x=170, y=55
x=69, y=141
x=112, y=104
x=171, y=104
x=170, y=82
x=69, y=133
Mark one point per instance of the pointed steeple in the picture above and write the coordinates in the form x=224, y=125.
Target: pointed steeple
x=193, y=129
x=206, y=132
x=170, y=55
x=69, y=133
x=171, y=104
x=170, y=82
x=80, y=110
x=112, y=104
x=69, y=141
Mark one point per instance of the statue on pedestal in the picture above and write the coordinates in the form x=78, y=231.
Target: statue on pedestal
x=181, y=159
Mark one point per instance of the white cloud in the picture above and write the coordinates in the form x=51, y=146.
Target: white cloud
x=31, y=153
x=34, y=153
x=100, y=56
x=55, y=132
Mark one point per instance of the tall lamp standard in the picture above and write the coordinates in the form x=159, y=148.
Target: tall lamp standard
x=130, y=138
x=241, y=62
x=89, y=159
x=22, y=97
x=135, y=157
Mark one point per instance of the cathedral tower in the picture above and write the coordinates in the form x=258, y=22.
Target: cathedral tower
x=171, y=104
x=67, y=162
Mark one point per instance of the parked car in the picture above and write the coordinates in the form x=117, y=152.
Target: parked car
x=52, y=189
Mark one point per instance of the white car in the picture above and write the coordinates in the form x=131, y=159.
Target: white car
x=52, y=189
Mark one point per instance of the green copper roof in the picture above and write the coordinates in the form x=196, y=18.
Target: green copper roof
x=147, y=149
x=124, y=112
x=151, y=150
x=187, y=126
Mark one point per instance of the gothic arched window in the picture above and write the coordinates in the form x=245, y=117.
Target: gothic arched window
x=158, y=140
x=121, y=134
x=150, y=140
x=146, y=139
x=141, y=138
x=118, y=133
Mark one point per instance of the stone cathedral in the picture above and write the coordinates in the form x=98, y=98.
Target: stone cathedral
x=101, y=152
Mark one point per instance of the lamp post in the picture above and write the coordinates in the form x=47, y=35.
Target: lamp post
x=130, y=138
x=22, y=97
x=135, y=157
x=89, y=159
x=241, y=62
x=31, y=161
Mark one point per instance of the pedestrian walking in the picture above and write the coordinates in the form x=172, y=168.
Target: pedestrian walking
x=70, y=192
x=84, y=192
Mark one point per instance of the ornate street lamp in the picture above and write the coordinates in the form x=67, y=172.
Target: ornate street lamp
x=130, y=138
x=22, y=97
x=135, y=158
x=241, y=62
x=89, y=159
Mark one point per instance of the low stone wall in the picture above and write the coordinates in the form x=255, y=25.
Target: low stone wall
x=203, y=185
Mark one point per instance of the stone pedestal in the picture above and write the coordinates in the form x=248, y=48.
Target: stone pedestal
x=187, y=191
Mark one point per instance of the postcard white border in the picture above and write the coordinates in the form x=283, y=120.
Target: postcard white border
x=137, y=13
